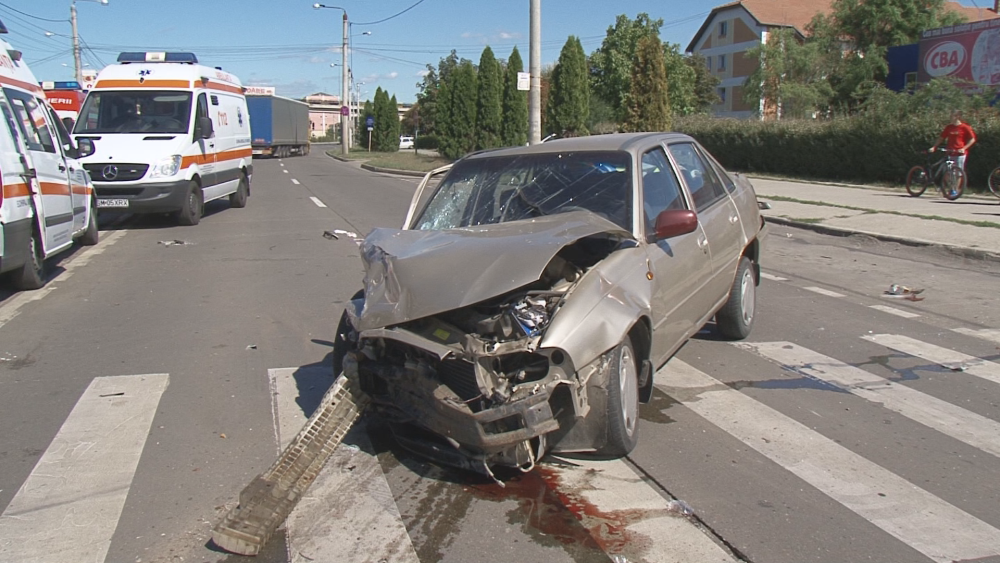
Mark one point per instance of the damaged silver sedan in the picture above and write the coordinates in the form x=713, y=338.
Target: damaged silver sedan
x=530, y=296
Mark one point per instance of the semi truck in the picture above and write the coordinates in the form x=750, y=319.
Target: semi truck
x=279, y=126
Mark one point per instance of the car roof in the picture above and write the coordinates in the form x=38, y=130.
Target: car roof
x=630, y=142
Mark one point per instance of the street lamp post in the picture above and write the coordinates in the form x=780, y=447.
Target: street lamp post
x=76, y=37
x=344, y=116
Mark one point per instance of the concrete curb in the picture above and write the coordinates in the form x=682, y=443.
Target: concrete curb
x=962, y=251
x=370, y=168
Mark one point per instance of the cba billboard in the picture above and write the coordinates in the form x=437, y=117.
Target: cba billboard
x=969, y=52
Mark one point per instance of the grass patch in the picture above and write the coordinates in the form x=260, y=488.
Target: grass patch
x=407, y=160
x=810, y=220
x=353, y=155
x=866, y=210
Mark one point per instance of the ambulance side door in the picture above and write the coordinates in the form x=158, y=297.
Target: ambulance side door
x=79, y=186
x=205, y=147
x=50, y=185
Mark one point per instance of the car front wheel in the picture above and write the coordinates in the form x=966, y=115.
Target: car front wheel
x=622, y=414
x=736, y=317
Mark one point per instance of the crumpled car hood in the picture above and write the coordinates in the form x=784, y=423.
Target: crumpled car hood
x=414, y=274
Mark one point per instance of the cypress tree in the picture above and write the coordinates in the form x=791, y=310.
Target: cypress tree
x=461, y=135
x=489, y=119
x=569, y=98
x=514, y=131
x=385, y=138
x=648, y=105
x=396, y=124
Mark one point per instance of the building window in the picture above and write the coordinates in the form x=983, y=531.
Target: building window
x=723, y=28
x=722, y=62
x=722, y=95
x=708, y=61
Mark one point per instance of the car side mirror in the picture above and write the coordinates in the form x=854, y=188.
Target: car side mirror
x=674, y=222
x=85, y=148
x=205, y=130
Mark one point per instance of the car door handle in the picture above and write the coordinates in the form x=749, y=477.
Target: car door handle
x=62, y=168
x=703, y=243
x=734, y=219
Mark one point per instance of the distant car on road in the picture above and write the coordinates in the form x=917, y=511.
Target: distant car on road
x=405, y=142
x=532, y=294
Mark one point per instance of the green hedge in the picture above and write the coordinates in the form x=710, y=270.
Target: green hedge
x=851, y=149
x=429, y=142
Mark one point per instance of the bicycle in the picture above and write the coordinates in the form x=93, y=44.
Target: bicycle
x=994, y=181
x=945, y=174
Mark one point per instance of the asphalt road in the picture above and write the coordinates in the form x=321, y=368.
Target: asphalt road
x=845, y=428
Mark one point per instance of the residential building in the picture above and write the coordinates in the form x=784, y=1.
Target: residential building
x=730, y=30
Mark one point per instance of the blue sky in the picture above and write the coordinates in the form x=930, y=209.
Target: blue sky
x=290, y=45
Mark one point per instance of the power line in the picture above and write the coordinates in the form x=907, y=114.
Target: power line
x=31, y=16
x=419, y=2
x=28, y=23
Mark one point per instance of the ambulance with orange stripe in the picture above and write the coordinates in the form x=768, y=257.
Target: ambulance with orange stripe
x=169, y=135
x=46, y=198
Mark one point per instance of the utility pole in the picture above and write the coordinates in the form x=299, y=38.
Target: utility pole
x=345, y=117
x=535, y=68
x=76, y=44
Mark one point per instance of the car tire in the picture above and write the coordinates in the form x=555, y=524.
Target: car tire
x=737, y=316
x=622, y=410
x=190, y=214
x=32, y=272
x=92, y=235
x=238, y=199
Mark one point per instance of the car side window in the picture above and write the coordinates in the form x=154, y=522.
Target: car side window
x=33, y=134
x=202, y=110
x=724, y=176
x=704, y=184
x=64, y=139
x=660, y=190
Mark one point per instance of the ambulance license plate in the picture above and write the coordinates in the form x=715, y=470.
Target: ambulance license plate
x=112, y=202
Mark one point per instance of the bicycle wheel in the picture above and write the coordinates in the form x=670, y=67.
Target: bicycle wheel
x=953, y=183
x=916, y=181
x=994, y=182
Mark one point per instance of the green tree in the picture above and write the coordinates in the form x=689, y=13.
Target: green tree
x=385, y=137
x=680, y=82
x=705, y=84
x=569, y=98
x=515, y=105
x=867, y=24
x=792, y=78
x=648, y=104
x=459, y=137
x=428, y=91
x=489, y=120
x=611, y=63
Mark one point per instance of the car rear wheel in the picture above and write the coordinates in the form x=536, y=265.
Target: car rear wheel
x=91, y=236
x=190, y=214
x=32, y=272
x=623, y=401
x=736, y=317
x=238, y=199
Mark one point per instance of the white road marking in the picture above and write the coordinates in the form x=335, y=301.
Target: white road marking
x=612, y=487
x=958, y=423
x=919, y=519
x=317, y=202
x=285, y=171
x=294, y=181
x=894, y=311
x=991, y=334
x=822, y=291
x=68, y=508
x=349, y=510
x=944, y=357
x=12, y=307
x=281, y=163
x=772, y=277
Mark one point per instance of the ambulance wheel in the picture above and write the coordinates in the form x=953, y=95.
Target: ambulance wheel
x=32, y=273
x=190, y=214
x=91, y=236
x=238, y=198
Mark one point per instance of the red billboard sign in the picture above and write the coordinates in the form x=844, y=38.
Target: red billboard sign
x=968, y=52
x=65, y=100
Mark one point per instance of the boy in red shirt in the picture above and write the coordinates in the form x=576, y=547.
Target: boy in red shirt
x=959, y=136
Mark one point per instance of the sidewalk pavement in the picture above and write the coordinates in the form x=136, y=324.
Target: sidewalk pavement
x=969, y=226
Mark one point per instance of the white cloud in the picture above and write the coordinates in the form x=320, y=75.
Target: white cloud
x=392, y=75
x=504, y=35
x=316, y=60
x=422, y=73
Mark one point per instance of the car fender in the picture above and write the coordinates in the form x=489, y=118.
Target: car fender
x=602, y=307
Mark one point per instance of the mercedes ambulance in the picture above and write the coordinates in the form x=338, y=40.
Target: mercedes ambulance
x=46, y=198
x=169, y=135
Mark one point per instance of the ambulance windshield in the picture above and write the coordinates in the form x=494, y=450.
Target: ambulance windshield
x=135, y=112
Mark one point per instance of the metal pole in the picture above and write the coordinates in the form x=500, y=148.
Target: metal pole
x=344, y=118
x=76, y=43
x=535, y=68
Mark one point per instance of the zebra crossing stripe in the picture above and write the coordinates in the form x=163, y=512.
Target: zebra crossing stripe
x=894, y=311
x=822, y=291
x=349, y=510
x=991, y=334
x=68, y=508
x=942, y=356
x=971, y=428
x=939, y=530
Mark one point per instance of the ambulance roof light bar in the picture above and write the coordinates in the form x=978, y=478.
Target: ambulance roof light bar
x=157, y=57
x=67, y=85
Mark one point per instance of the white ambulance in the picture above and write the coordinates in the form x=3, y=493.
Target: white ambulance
x=46, y=198
x=169, y=135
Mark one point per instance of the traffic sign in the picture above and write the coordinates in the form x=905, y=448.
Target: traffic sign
x=369, y=122
x=345, y=110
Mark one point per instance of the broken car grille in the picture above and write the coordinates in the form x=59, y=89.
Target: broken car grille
x=460, y=377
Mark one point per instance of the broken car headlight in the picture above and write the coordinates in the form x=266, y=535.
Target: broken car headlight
x=531, y=315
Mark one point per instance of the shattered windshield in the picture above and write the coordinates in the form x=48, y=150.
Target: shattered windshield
x=485, y=191
x=135, y=112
